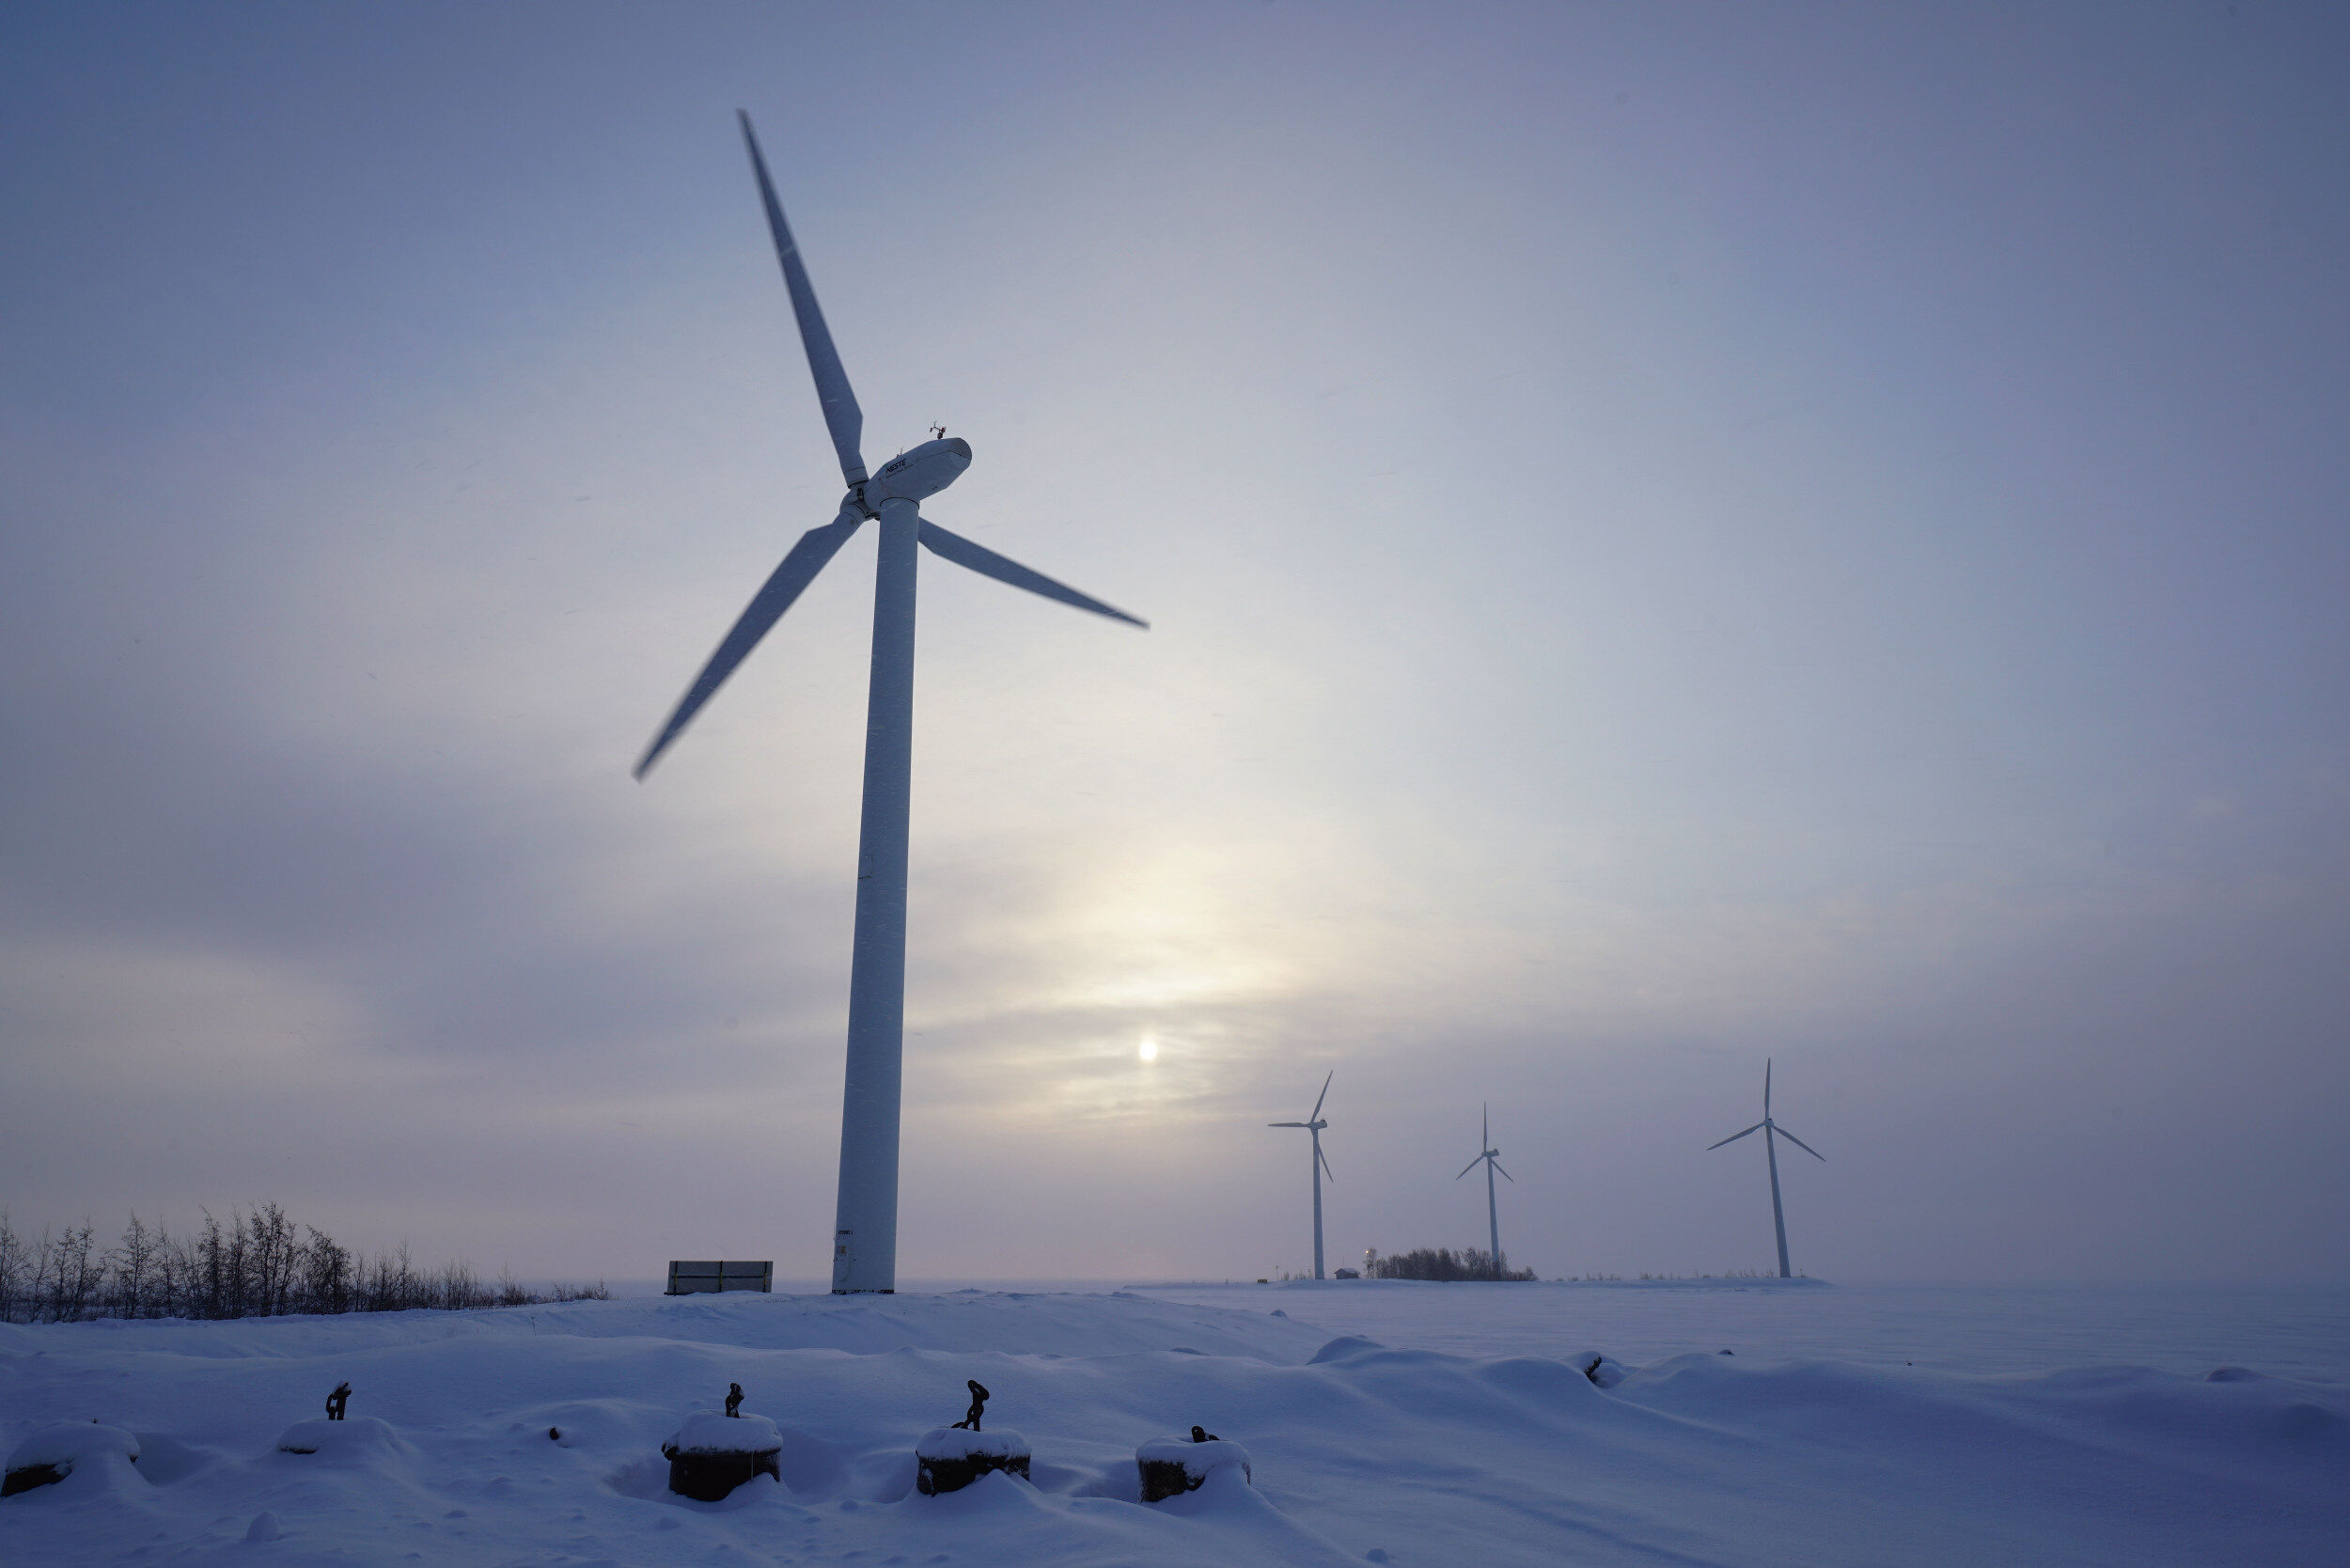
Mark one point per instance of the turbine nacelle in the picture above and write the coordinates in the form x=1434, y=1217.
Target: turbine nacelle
x=924, y=471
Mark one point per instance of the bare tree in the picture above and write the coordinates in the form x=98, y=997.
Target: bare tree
x=131, y=1271
x=258, y=1265
x=15, y=1274
x=74, y=1274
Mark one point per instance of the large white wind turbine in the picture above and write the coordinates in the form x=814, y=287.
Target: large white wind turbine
x=865, y=1236
x=1313, y=1125
x=1767, y=1128
x=1491, y=1160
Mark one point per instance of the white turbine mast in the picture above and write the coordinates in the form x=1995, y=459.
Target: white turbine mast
x=1491, y=1160
x=865, y=1234
x=1769, y=1128
x=1313, y=1125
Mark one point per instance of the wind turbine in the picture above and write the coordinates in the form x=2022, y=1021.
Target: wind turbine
x=1313, y=1125
x=1766, y=1128
x=865, y=1233
x=1491, y=1160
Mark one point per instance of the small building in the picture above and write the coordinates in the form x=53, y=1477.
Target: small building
x=695, y=1279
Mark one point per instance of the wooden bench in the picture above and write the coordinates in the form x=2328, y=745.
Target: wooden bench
x=692, y=1279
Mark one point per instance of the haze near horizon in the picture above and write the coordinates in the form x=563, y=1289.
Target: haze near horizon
x=1672, y=536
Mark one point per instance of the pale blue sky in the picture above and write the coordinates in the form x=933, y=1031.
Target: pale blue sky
x=1673, y=534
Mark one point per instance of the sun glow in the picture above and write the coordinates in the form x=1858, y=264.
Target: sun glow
x=1150, y=1051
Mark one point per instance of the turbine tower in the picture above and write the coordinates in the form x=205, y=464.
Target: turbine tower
x=1313, y=1125
x=1491, y=1160
x=1767, y=1127
x=865, y=1232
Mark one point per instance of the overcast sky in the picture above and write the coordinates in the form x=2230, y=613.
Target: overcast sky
x=1674, y=535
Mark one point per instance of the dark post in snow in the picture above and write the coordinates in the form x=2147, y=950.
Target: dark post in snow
x=1170, y=1466
x=710, y=1455
x=970, y=1421
x=337, y=1401
x=949, y=1458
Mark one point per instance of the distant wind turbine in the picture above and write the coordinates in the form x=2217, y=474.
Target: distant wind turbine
x=1313, y=1125
x=865, y=1228
x=1491, y=1160
x=1767, y=1127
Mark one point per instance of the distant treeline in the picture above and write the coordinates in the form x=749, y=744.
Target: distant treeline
x=257, y=1265
x=1442, y=1262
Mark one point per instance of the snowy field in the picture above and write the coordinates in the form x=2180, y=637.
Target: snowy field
x=1852, y=1425
x=2285, y=1331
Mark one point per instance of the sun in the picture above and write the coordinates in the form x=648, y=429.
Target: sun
x=1150, y=1051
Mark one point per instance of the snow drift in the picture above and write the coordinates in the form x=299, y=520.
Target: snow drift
x=533, y=1438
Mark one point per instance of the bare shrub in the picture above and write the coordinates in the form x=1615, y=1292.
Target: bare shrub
x=257, y=1265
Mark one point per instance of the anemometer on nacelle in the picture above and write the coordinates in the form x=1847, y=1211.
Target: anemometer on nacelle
x=922, y=472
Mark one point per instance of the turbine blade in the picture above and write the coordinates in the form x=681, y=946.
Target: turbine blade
x=1285, y=1123
x=1486, y=1126
x=1766, y=1089
x=841, y=416
x=1471, y=1166
x=1315, y=1115
x=987, y=563
x=1735, y=1136
x=1505, y=1174
x=774, y=596
x=1797, y=1142
x=1325, y=1161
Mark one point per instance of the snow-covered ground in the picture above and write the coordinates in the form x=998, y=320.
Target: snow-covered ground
x=2075, y=1427
x=2293, y=1331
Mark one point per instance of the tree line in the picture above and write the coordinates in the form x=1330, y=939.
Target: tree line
x=257, y=1265
x=1442, y=1262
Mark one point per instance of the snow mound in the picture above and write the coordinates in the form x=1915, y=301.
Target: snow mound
x=68, y=1442
x=999, y=1494
x=1033, y=1324
x=947, y=1442
x=1344, y=1348
x=75, y=1459
x=353, y=1438
x=710, y=1432
x=1196, y=1458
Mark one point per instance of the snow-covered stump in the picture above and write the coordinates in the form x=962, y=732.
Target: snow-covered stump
x=49, y=1455
x=947, y=1459
x=1170, y=1466
x=712, y=1454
